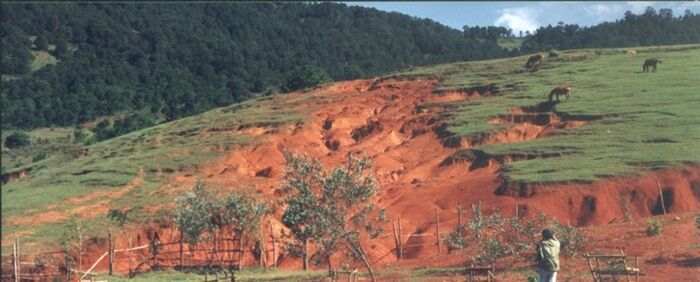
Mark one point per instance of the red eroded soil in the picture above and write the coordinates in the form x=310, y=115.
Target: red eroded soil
x=392, y=122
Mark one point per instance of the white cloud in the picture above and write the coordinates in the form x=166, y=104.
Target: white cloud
x=639, y=7
x=518, y=19
x=604, y=12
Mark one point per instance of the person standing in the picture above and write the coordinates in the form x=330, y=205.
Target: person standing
x=548, y=256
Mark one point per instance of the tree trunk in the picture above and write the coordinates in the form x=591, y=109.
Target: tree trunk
x=306, y=255
x=358, y=249
x=241, y=252
x=330, y=265
x=182, y=258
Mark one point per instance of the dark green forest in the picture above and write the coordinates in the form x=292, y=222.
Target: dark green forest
x=176, y=60
x=649, y=28
x=155, y=62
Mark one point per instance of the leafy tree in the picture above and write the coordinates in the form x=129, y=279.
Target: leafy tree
x=74, y=236
x=305, y=77
x=194, y=211
x=332, y=208
x=17, y=140
x=243, y=214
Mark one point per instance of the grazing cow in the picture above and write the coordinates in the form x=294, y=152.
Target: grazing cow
x=533, y=60
x=560, y=90
x=650, y=63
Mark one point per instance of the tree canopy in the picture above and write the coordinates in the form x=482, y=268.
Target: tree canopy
x=180, y=60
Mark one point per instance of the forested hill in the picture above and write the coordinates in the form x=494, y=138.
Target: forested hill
x=69, y=63
x=65, y=64
x=649, y=28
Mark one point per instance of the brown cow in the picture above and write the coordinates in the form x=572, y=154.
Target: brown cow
x=560, y=90
x=650, y=63
x=534, y=59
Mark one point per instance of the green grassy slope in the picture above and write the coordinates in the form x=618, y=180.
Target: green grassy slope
x=637, y=120
x=112, y=164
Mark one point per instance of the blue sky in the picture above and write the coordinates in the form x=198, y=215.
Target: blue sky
x=524, y=15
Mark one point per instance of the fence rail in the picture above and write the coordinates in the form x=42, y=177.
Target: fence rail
x=228, y=252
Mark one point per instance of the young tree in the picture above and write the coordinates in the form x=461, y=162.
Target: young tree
x=301, y=175
x=243, y=214
x=194, y=212
x=74, y=235
x=333, y=208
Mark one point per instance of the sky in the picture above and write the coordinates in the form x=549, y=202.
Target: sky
x=525, y=16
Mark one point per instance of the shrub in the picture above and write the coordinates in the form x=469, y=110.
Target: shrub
x=554, y=53
x=17, y=140
x=38, y=157
x=570, y=237
x=455, y=239
x=492, y=249
x=305, y=77
x=654, y=227
x=193, y=214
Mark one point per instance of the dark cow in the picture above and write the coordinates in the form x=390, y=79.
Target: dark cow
x=534, y=60
x=560, y=90
x=650, y=63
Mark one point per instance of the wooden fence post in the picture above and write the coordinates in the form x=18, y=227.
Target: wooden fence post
x=16, y=259
x=459, y=216
x=661, y=195
x=274, y=245
x=459, y=223
x=182, y=265
x=437, y=230
x=396, y=240
x=263, y=249
x=400, y=240
x=110, y=250
x=306, y=254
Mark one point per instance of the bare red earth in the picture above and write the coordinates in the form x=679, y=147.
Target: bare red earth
x=396, y=125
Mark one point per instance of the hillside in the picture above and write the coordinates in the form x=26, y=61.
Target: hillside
x=438, y=136
x=71, y=63
x=179, y=60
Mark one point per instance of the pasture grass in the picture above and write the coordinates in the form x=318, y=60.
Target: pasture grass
x=246, y=274
x=636, y=121
x=110, y=165
x=45, y=141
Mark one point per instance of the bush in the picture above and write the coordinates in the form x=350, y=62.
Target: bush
x=17, y=140
x=492, y=249
x=38, y=157
x=455, y=239
x=654, y=228
x=554, y=53
x=305, y=77
x=570, y=238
